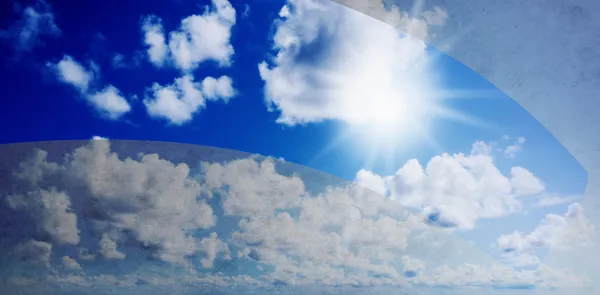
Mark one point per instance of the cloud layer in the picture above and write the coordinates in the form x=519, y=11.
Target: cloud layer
x=242, y=214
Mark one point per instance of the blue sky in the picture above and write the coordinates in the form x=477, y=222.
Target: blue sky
x=313, y=83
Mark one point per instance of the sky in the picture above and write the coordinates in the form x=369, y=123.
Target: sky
x=447, y=160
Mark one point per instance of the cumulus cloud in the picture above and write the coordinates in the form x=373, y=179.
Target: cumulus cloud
x=370, y=180
x=108, y=101
x=50, y=210
x=524, y=183
x=108, y=248
x=548, y=200
x=339, y=236
x=35, y=23
x=555, y=232
x=72, y=72
x=154, y=39
x=179, y=101
x=153, y=200
x=346, y=227
x=332, y=62
x=70, y=263
x=210, y=247
x=35, y=251
x=457, y=190
x=199, y=38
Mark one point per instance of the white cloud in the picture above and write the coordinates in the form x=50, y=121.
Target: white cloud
x=110, y=102
x=35, y=251
x=215, y=89
x=335, y=63
x=71, y=72
x=210, y=247
x=555, y=232
x=50, y=210
x=482, y=148
x=155, y=40
x=521, y=259
x=178, y=101
x=35, y=22
x=349, y=229
x=504, y=277
x=127, y=195
x=369, y=180
x=199, y=38
x=524, y=183
x=343, y=236
x=70, y=263
x=108, y=248
x=107, y=101
x=512, y=150
x=457, y=190
x=547, y=200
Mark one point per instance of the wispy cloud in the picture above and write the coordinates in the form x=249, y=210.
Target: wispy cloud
x=35, y=22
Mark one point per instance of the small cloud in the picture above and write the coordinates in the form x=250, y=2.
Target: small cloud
x=512, y=150
x=70, y=263
x=108, y=101
x=118, y=61
x=548, y=200
x=437, y=16
x=200, y=38
x=246, y=11
x=154, y=39
x=284, y=12
x=108, y=248
x=524, y=183
x=482, y=148
x=178, y=101
x=96, y=137
x=85, y=254
x=71, y=72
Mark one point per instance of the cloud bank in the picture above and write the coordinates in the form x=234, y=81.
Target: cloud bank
x=242, y=214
